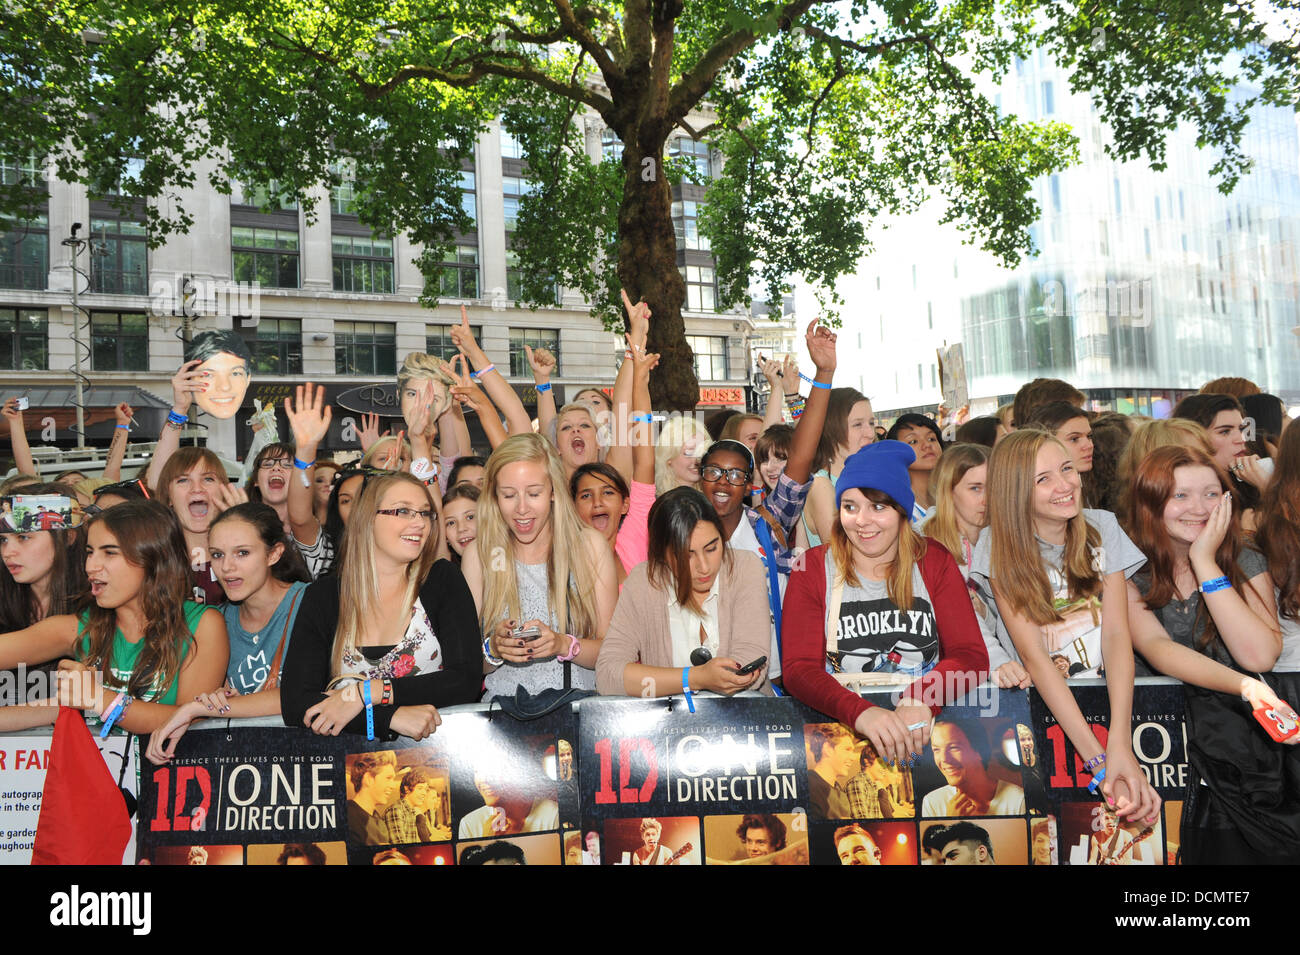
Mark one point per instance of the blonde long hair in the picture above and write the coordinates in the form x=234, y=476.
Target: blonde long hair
x=956, y=460
x=676, y=432
x=1016, y=563
x=570, y=576
x=358, y=576
x=911, y=548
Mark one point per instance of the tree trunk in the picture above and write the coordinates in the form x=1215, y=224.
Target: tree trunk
x=647, y=268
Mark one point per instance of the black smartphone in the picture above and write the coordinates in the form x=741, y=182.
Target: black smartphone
x=751, y=667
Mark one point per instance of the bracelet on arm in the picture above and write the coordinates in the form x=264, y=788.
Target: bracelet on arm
x=478, y=375
x=124, y=427
x=370, y=709
x=302, y=465
x=387, y=698
x=645, y=416
x=575, y=647
x=114, y=713
x=1097, y=780
x=1093, y=763
x=686, y=688
x=1217, y=584
x=543, y=388
x=825, y=386
x=487, y=652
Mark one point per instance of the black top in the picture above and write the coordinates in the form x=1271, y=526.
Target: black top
x=450, y=606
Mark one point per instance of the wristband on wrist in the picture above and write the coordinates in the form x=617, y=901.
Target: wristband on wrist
x=177, y=419
x=387, y=698
x=477, y=375
x=825, y=386
x=686, y=688
x=1093, y=763
x=370, y=709
x=487, y=652
x=1097, y=780
x=302, y=465
x=646, y=416
x=124, y=427
x=543, y=388
x=1218, y=583
x=114, y=713
x=575, y=647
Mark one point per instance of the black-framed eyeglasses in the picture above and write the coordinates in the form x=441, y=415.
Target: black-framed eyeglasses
x=406, y=513
x=737, y=476
x=267, y=463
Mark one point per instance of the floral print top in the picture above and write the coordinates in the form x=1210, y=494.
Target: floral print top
x=417, y=652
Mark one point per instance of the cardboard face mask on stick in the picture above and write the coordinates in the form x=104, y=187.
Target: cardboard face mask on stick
x=228, y=364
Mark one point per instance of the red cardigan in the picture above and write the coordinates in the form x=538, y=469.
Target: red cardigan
x=803, y=637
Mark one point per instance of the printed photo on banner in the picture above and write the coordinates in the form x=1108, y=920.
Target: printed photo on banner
x=1044, y=848
x=408, y=855
x=652, y=840
x=511, y=788
x=1091, y=834
x=399, y=797
x=1173, y=810
x=866, y=842
x=559, y=762
x=970, y=768
x=521, y=850
x=847, y=778
x=299, y=853
x=196, y=855
x=591, y=844
x=756, y=839
x=38, y=512
x=974, y=842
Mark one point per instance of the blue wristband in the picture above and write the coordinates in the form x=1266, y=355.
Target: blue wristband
x=1218, y=583
x=124, y=427
x=370, y=709
x=114, y=714
x=543, y=388
x=686, y=688
x=476, y=375
x=177, y=419
x=1097, y=780
x=302, y=465
x=815, y=384
x=646, y=416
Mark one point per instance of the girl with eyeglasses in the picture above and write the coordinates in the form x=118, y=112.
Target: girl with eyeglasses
x=394, y=626
x=693, y=594
x=264, y=578
x=534, y=567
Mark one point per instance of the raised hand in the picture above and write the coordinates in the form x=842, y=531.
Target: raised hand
x=226, y=495
x=186, y=383
x=790, y=371
x=463, y=339
x=309, y=418
x=124, y=413
x=771, y=369
x=369, y=432
x=542, y=362
x=821, y=346
x=638, y=321
x=465, y=391
x=10, y=410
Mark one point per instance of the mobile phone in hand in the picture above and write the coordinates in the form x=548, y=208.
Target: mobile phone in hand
x=751, y=667
x=1280, y=722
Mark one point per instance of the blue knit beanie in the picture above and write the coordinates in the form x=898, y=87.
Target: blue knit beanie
x=881, y=466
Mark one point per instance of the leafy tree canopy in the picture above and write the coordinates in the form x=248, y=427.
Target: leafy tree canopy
x=828, y=115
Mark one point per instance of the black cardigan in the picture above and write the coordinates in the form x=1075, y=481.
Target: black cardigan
x=450, y=606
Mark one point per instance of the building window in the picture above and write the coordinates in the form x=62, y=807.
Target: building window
x=710, y=356
x=695, y=153
x=24, y=339
x=701, y=292
x=515, y=282
x=24, y=253
x=437, y=341
x=267, y=198
x=533, y=338
x=119, y=258
x=1049, y=100
x=266, y=256
x=686, y=225
x=513, y=188
x=511, y=148
x=343, y=197
x=278, y=346
x=27, y=172
x=468, y=198
x=119, y=341
x=365, y=348
x=611, y=147
x=362, y=264
x=458, y=277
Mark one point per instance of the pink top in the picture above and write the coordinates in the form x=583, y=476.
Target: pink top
x=634, y=533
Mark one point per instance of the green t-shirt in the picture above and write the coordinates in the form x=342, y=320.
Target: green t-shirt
x=122, y=659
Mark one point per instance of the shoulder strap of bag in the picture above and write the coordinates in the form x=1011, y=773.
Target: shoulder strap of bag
x=273, y=675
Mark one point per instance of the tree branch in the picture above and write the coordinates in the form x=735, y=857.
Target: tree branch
x=608, y=68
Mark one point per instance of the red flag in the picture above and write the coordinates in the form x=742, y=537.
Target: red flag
x=83, y=815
